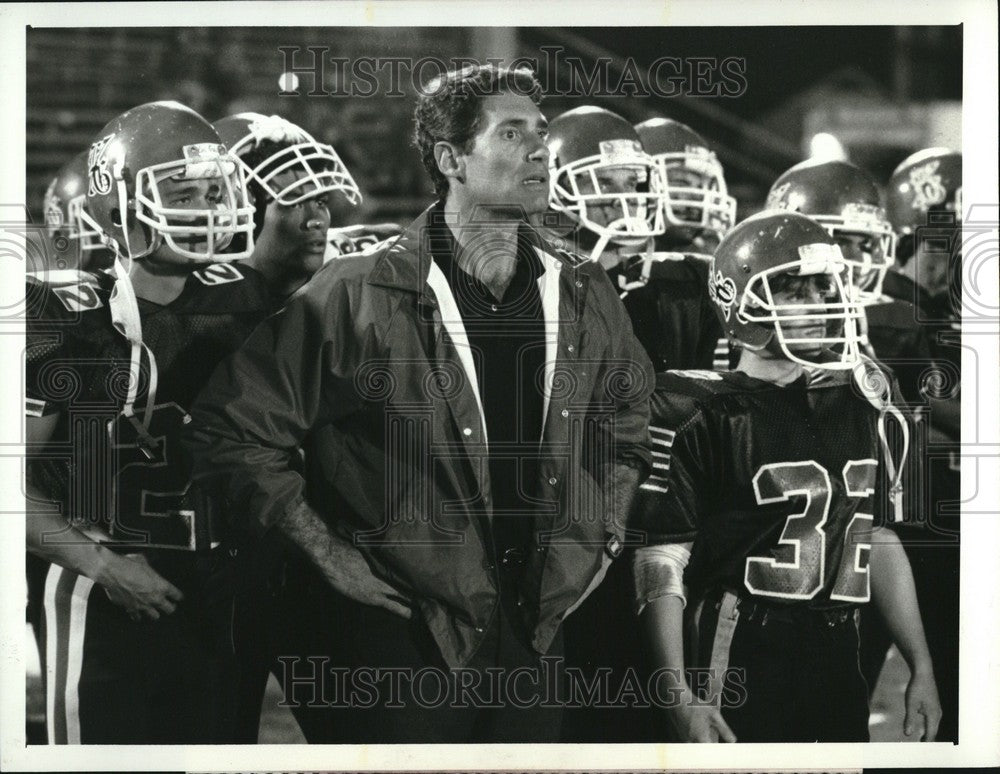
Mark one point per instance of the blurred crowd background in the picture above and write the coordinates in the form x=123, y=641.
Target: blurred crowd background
x=870, y=94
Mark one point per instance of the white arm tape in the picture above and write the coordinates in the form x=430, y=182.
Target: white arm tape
x=659, y=572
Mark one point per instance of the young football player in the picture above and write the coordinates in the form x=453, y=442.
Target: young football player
x=138, y=600
x=292, y=180
x=765, y=512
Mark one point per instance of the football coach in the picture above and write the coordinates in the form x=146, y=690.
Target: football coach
x=449, y=428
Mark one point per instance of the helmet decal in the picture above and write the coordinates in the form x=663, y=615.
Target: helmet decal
x=100, y=179
x=722, y=290
x=928, y=190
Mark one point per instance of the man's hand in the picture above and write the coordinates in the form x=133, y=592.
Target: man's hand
x=701, y=724
x=130, y=582
x=922, y=702
x=347, y=571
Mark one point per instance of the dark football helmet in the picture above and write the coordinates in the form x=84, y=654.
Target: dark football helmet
x=927, y=181
x=72, y=233
x=696, y=198
x=320, y=168
x=846, y=201
x=756, y=260
x=143, y=168
x=601, y=177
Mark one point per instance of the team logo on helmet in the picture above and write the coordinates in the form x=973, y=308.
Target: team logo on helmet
x=722, y=290
x=776, y=198
x=100, y=179
x=928, y=189
x=621, y=152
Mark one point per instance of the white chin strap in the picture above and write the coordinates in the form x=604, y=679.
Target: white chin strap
x=882, y=400
x=125, y=317
x=895, y=472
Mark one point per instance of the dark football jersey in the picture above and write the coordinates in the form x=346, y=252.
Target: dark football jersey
x=111, y=475
x=900, y=343
x=773, y=484
x=672, y=315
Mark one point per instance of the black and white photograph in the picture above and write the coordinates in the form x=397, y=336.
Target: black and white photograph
x=434, y=385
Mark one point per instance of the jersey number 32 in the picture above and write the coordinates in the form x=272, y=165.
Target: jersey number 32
x=796, y=568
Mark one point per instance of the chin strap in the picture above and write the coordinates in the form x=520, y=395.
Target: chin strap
x=875, y=386
x=895, y=473
x=125, y=317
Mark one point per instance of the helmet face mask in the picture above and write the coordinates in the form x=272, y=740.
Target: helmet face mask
x=868, y=243
x=804, y=327
x=316, y=166
x=695, y=195
x=696, y=201
x=610, y=193
x=847, y=202
x=137, y=171
x=779, y=282
x=194, y=232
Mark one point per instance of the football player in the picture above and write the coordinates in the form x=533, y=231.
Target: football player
x=292, y=179
x=924, y=199
x=138, y=599
x=72, y=232
x=665, y=289
x=770, y=568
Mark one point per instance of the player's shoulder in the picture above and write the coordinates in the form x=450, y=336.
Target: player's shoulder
x=895, y=313
x=681, y=394
x=224, y=288
x=869, y=381
x=67, y=294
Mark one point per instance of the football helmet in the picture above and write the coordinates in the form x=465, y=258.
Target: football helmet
x=696, y=198
x=927, y=181
x=323, y=170
x=73, y=233
x=846, y=201
x=747, y=271
x=146, y=152
x=587, y=147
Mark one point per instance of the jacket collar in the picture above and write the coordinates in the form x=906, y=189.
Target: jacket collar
x=406, y=261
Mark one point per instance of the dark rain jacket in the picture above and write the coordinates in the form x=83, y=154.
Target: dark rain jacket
x=369, y=370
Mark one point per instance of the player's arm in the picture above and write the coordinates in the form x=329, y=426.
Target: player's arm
x=667, y=510
x=128, y=580
x=658, y=573
x=250, y=420
x=895, y=598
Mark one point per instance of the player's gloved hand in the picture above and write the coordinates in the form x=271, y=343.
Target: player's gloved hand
x=923, y=708
x=698, y=723
x=130, y=582
x=349, y=573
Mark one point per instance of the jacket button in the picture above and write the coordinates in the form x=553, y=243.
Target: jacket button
x=480, y=629
x=570, y=348
x=553, y=481
x=579, y=284
x=467, y=431
x=565, y=412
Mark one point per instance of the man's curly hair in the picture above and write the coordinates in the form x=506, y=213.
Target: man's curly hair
x=449, y=109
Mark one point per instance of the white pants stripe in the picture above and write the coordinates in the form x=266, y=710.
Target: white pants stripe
x=72, y=632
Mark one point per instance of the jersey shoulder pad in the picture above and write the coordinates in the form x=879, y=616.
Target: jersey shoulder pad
x=681, y=394
x=224, y=288
x=57, y=295
x=215, y=274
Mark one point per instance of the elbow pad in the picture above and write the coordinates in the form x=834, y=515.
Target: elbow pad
x=659, y=572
